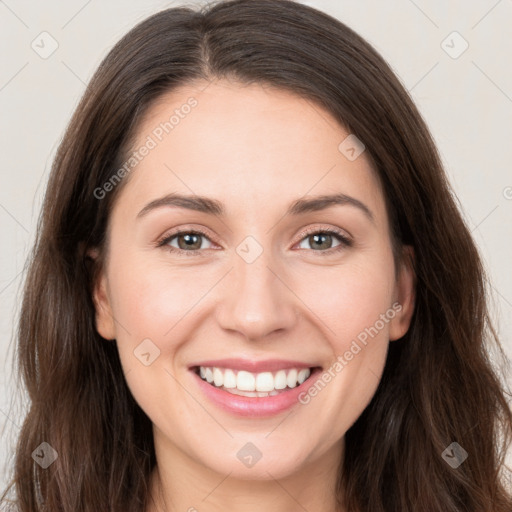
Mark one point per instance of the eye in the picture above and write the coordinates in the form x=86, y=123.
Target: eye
x=188, y=241
x=322, y=239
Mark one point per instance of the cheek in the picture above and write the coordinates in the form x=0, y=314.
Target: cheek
x=150, y=306
x=151, y=300
x=349, y=298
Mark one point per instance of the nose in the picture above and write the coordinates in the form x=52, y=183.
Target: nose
x=257, y=301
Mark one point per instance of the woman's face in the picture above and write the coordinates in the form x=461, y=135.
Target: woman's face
x=254, y=299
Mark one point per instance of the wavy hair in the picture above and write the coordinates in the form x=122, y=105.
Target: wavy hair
x=439, y=384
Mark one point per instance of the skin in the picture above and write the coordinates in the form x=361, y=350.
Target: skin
x=256, y=149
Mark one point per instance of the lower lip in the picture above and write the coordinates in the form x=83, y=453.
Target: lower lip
x=255, y=406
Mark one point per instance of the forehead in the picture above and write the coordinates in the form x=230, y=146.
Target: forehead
x=249, y=146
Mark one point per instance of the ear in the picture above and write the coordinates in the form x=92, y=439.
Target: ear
x=404, y=297
x=104, y=317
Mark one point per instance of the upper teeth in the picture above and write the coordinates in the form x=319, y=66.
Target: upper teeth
x=247, y=381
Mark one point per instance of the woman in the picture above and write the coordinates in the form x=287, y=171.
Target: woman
x=186, y=341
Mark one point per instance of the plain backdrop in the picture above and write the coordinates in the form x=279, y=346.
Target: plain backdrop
x=461, y=83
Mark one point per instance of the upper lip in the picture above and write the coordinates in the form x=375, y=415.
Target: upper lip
x=267, y=365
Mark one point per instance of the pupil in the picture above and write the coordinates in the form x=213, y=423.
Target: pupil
x=316, y=237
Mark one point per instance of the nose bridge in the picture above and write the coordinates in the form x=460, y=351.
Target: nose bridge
x=256, y=301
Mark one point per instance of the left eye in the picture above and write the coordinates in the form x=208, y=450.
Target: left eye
x=319, y=237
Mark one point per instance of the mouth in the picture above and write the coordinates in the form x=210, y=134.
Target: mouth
x=253, y=389
x=254, y=384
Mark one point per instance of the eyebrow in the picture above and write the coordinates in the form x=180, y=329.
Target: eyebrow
x=214, y=207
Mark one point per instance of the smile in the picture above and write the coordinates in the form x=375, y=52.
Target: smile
x=254, y=389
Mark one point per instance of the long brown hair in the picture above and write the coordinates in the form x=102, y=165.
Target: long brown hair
x=439, y=385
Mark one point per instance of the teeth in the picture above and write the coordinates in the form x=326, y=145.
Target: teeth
x=218, y=378
x=229, y=379
x=245, y=381
x=280, y=380
x=254, y=384
x=291, y=378
x=265, y=381
x=303, y=375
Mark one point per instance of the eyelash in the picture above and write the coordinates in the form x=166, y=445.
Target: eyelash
x=344, y=240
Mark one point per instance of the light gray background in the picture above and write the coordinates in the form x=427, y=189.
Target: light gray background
x=466, y=101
